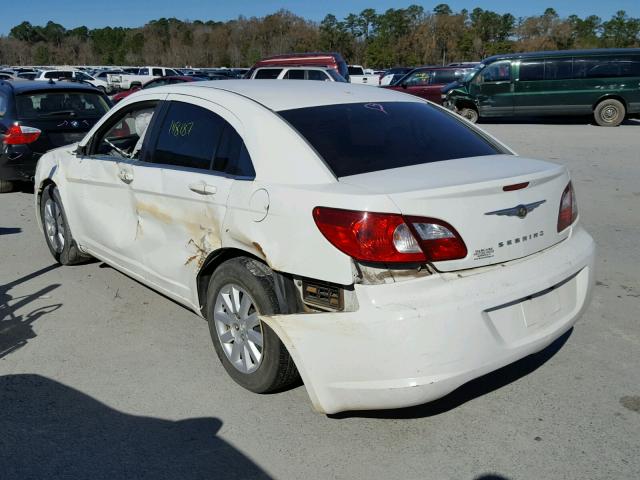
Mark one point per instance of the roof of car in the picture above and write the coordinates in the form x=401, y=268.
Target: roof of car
x=290, y=94
x=23, y=86
x=563, y=53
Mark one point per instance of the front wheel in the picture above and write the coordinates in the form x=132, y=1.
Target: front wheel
x=609, y=113
x=240, y=291
x=470, y=114
x=56, y=229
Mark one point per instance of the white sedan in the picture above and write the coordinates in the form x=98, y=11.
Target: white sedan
x=380, y=247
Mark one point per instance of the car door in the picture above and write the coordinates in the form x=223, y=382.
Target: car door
x=181, y=204
x=493, y=90
x=98, y=190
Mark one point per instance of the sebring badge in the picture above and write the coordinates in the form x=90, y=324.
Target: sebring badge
x=519, y=211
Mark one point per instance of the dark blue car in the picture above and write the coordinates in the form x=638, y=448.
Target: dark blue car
x=38, y=116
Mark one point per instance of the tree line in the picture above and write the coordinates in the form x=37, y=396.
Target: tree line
x=402, y=36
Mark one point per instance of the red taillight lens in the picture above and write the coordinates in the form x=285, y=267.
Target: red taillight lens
x=568, y=208
x=20, y=135
x=388, y=238
x=438, y=239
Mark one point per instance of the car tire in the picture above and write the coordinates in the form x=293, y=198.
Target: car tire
x=236, y=328
x=6, y=186
x=609, y=113
x=57, y=234
x=470, y=114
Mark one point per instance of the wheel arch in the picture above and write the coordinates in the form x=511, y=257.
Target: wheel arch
x=610, y=96
x=47, y=182
x=288, y=299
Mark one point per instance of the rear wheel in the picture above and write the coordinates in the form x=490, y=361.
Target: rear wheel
x=470, y=114
x=6, y=186
x=241, y=290
x=56, y=229
x=609, y=113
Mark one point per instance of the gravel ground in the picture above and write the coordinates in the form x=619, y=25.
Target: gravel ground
x=100, y=377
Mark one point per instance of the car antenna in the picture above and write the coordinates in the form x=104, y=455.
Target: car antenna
x=51, y=82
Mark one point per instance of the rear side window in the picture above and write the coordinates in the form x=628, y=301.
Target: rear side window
x=188, y=136
x=531, y=70
x=366, y=137
x=143, y=71
x=3, y=104
x=293, y=75
x=268, y=73
x=317, y=75
x=157, y=72
x=194, y=137
x=61, y=104
x=58, y=75
x=557, y=68
x=442, y=76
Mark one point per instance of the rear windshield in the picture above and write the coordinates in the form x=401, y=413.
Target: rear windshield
x=61, y=103
x=366, y=137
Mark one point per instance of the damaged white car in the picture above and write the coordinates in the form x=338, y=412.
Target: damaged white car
x=381, y=248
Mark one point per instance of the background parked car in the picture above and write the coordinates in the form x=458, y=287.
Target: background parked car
x=297, y=73
x=604, y=83
x=331, y=60
x=127, y=81
x=38, y=116
x=357, y=75
x=156, y=82
x=392, y=75
x=427, y=82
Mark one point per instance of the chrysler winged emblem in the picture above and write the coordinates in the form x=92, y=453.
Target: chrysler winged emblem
x=519, y=211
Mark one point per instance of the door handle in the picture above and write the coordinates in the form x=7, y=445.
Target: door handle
x=126, y=177
x=203, y=188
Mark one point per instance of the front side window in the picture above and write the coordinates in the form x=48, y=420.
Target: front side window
x=60, y=103
x=366, y=137
x=143, y=71
x=268, y=73
x=125, y=137
x=495, y=72
x=418, y=79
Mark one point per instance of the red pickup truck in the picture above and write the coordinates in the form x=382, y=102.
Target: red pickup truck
x=426, y=82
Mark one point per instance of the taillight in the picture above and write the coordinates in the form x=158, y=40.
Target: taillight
x=20, y=135
x=568, y=208
x=388, y=237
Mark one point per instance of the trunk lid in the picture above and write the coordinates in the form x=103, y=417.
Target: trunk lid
x=468, y=194
x=58, y=132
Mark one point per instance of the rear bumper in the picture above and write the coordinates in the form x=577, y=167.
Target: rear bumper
x=416, y=341
x=17, y=167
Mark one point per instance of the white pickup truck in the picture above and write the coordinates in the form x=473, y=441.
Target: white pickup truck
x=358, y=74
x=127, y=81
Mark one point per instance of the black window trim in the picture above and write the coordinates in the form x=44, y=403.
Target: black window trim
x=150, y=148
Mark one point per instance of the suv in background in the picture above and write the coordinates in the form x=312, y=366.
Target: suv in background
x=331, y=60
x=427, y=82
x=297, y=73
x=603, y=82
x=38, y=116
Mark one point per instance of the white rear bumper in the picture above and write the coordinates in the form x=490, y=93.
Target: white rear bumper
x=416, y=341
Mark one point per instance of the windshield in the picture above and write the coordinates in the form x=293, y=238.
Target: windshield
x=471, y=73
x=62, y=103
x=335, y=75
x=358, y=138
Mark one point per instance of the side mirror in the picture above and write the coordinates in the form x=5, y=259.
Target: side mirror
x=404, y=85
x=81, y=150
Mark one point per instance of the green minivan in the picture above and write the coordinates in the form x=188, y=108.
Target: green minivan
x=604, y=83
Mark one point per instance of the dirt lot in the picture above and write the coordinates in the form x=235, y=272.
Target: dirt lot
x=101, y=377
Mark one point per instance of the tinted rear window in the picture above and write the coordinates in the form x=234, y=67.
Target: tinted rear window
x=366, y=137
x=60, y=104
